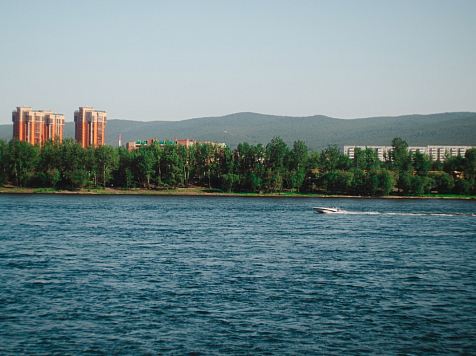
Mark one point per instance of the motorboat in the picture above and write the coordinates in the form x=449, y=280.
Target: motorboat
x=324, y=210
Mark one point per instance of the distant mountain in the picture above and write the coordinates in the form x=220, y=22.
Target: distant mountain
x=317, y=131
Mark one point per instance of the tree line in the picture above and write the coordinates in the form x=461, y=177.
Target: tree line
x=248, y=168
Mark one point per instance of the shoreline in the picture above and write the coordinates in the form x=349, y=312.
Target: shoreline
x=203, y=192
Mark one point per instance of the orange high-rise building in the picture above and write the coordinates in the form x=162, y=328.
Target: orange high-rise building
x=90, y=127
x=37, y=126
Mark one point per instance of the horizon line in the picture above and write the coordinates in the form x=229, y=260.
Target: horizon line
x=287, y=116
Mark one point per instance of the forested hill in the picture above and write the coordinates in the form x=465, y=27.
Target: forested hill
x=317, y=131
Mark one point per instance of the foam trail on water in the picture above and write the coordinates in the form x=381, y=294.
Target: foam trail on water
x=400, y=214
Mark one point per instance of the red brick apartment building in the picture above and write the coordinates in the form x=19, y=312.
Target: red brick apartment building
x=37, y=126
x=90, y=127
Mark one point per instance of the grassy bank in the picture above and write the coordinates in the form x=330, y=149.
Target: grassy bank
x=195, y=191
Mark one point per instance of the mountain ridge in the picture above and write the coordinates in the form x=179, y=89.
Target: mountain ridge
x=318, y=131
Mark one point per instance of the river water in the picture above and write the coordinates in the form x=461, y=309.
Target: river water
x=229, y=275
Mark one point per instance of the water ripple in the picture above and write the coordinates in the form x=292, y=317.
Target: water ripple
x=210, y=276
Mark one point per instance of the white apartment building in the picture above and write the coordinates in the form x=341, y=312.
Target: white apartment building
x=436, y=152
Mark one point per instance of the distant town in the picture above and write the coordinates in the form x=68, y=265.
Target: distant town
x=37, y=156
x=39, y=126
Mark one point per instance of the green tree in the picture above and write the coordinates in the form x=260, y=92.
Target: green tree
x=276, y=153
x=205, y=162
x=462, y=186
x=444, y=182
x=145, y=163
x=187, y=155
x=123, y=175
x=157, y=152
x=405, y=182
x=107, y=160
x=470, y=163
x=372, y=182
x=359, y=182
x=3, y=161
x=421, y=163
x=22, y=159
x=454, y=164
x=400, y=162
x=386, y=181
x=338, y=181
x=314, y=160
x=91, y=166
x=359, y=159
x=437, y=165
x=226, y=169
x=172, y=166
x=226, y=162
x=245, y=159
x=365, y=159
x=49, y=163
x=399, y=155
x=249, y=165
x=421, y=185
x=229, y=180
x=73, y=164
x=297, y=165
x=331, y=159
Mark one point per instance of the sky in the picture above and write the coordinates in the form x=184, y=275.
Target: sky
x=175, y=60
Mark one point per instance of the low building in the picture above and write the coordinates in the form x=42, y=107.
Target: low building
x=380, y=150
x=37, y=126
x=133, y=145
x=436, y=153
x=136, y=144
x=216, y=144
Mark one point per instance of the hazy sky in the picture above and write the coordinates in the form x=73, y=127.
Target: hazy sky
x=175, y=60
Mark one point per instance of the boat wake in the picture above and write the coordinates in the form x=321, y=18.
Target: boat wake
x=400, y=214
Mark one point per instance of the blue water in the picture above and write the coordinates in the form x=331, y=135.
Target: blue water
x=217, y=275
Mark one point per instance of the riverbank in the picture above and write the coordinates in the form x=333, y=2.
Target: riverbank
x=196, y=191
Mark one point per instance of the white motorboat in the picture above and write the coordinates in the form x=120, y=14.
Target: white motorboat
x=324, y=210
